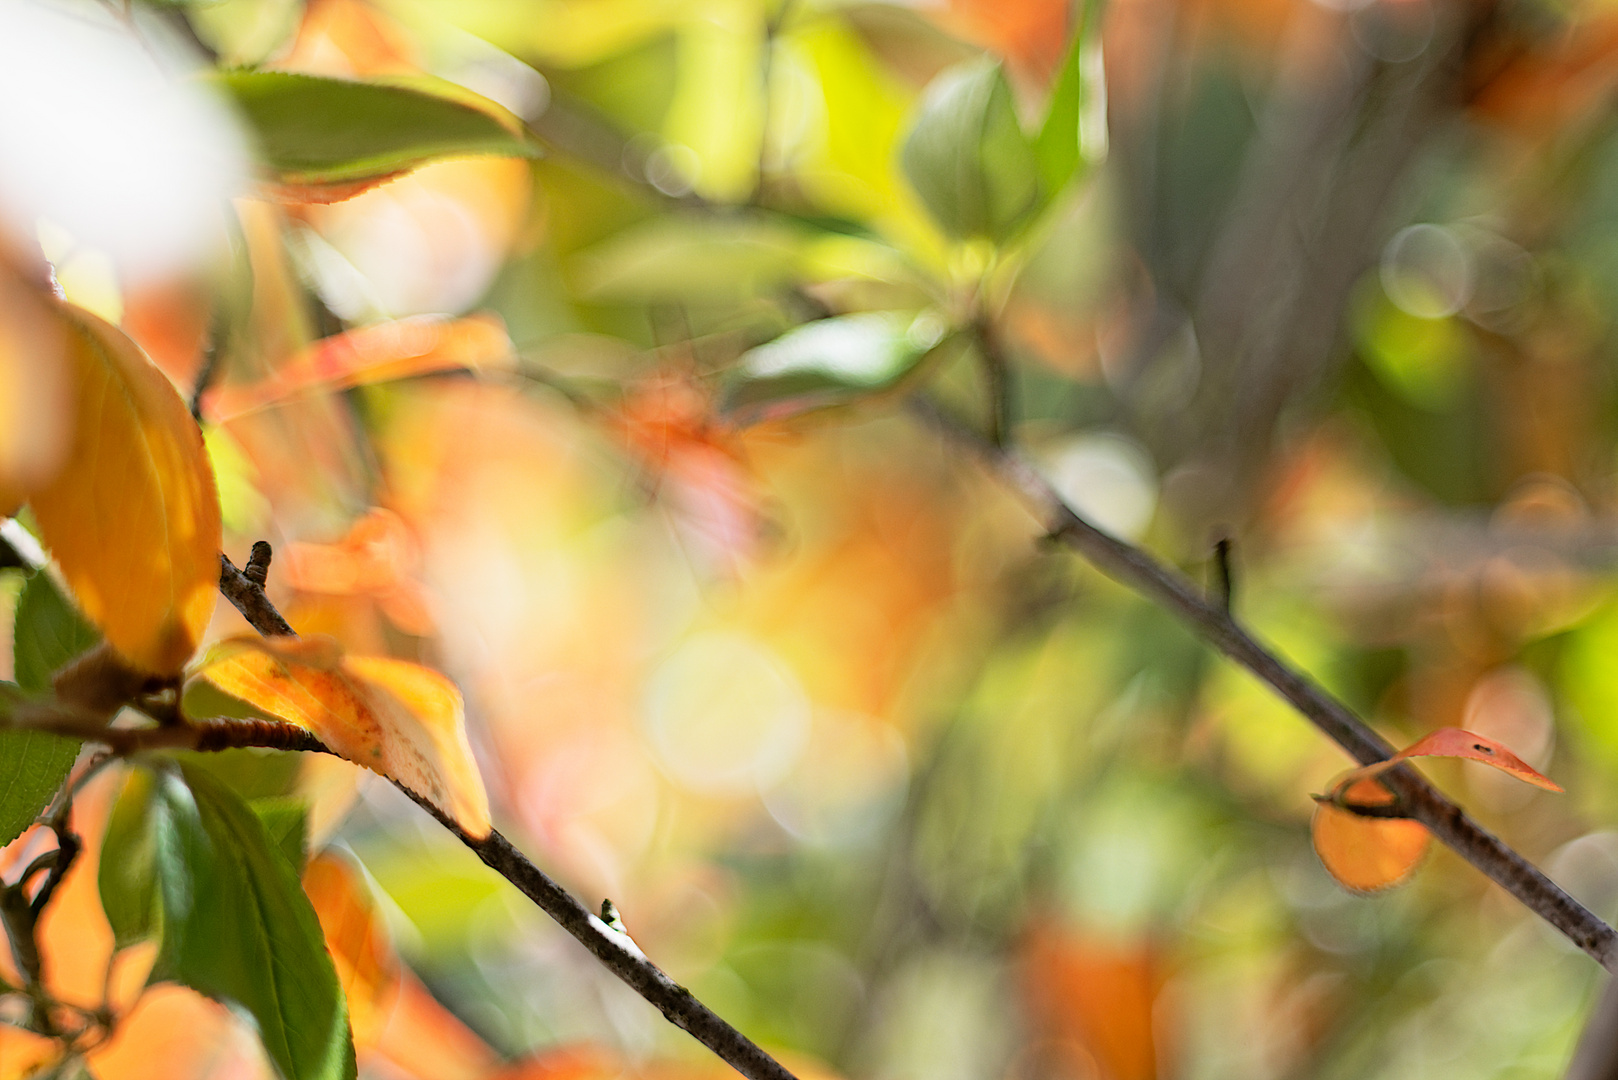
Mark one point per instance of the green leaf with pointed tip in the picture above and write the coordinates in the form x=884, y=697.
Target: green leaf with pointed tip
x=238, y=928
x=286, y=822
x=313, y=130
x=46, y=634
x=127, y=875
x=1060, y=145
x=967, y=157
x=829, y=362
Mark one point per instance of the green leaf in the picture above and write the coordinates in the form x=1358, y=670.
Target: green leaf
x=694, y=259
x=1074, y=133
x=313, y=130
x=829, y=362
x=47, y=634
x=967, y=156
x=129, y=858
x=286, y=822
x=238, y=927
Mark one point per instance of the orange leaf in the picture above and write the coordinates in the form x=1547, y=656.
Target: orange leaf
x=34, y=387
x=174, y=1033
x=426, y=1041
x=393, y=350
x=324, y=194
x=1365, y=854
x=367, y=966
x=1456, y=742
x=395, y=718
x=132, y=516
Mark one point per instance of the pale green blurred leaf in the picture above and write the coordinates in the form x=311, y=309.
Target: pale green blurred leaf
x=829, y=362
x=967, y=157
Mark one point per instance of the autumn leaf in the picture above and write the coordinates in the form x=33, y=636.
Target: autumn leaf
x=132, y=516
x=1366, y=854
x=34, y=414
x=395, y=718
x=1456, y=742
x=379, y=558
x=391, y=350
x=357, y=938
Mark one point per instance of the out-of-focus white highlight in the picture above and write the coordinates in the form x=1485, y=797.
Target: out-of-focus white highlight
x=132, y=160
x=847, y=784
x=1107, y=479
x=1427, y=271
x=723, y=716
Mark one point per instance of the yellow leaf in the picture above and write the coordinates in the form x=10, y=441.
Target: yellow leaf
x=132, y=516
x=397, y=719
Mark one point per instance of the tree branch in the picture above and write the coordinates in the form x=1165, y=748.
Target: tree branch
x=616, y=950
x=249, y=598
x=1173, y=592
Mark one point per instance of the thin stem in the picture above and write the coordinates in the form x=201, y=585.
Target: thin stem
x=997, y=377
x=1211, y=621
x=616, y=951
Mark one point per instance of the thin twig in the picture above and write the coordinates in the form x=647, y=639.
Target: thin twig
x=997, y=377
x=1227, y=578
x=1176, y=594
x=615, y=950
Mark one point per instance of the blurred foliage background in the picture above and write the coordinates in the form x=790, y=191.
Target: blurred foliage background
x=891, y=786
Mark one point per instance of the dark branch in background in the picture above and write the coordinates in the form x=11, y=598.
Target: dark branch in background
x=1596, y=1056
x=218, y=323
x=615, y=950
x=1213, y=623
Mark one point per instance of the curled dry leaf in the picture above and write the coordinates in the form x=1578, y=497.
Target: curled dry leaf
x=132, y=516
x=1365, y=854
x=1456, y=742
x=395, y=718
x=1369, y=853
x=418, y=345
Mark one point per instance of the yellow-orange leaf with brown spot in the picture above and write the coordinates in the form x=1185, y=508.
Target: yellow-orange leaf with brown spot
x=1366, y=853
x=396, y=718
x=132, y=515
x=1457, y=742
